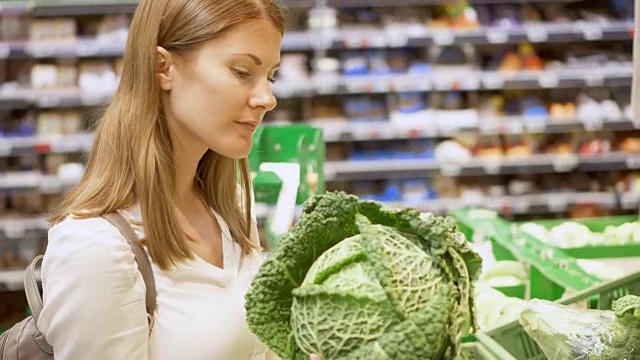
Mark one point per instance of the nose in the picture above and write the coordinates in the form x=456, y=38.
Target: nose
x=262, y=96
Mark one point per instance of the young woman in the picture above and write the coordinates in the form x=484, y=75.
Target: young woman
x=170, y=154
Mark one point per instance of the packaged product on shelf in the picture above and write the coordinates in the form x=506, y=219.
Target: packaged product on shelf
x=365, y=108
x=113, y=29
x=14, y=27
x=72, y=122
x=519, y=145
x=97, y=78
x=44, y=76
x=488, y=146
x=563, y=332
x=50, y=124
x=293, y=67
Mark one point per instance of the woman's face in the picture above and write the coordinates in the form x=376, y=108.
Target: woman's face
x=217, y=97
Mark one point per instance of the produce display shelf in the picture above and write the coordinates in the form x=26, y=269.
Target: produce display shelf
x=513, y=338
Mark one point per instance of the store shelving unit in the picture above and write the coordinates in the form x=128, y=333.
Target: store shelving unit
x=316, y=44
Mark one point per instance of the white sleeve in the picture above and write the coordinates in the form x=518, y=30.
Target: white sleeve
x=94, y=295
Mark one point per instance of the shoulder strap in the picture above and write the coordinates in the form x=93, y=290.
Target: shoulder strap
x=144, y=265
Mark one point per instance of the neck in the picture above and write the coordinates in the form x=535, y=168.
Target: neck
x=187, y=155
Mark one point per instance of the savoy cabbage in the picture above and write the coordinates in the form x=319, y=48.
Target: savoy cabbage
x=355, y=280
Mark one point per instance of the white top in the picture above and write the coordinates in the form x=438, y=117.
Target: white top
x=94, y=299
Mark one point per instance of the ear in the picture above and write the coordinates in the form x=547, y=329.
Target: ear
x=164, y=68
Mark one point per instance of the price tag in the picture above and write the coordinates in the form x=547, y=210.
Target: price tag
x=50, y=185
x=89, y=98
x=412, y=133
x=629, y=201
x=565, y=163
x=88, y=48
x=497, y=36
x=397, y=38
x=470, y=83
x=380, y=86
x=443, y=37
x=513, y=127
x=449, y=130
x=5, y=147
x=520, y=206
x=451, y=169
x=594, y=78
x=424, y=84
x=535, y=126
x=595, y=124
x=557, y=203
x=537, y=33
x=492, y=166
x=592, y=32
x=489, y=128
x=14, y=229
x=332, y=131
x=404, y=84
x=352, y=40
x=327, y=88
x=633, y=162
x=41, y=50
x=549, y=80
x=49, y=100
x=5, y=51
x=493, y=81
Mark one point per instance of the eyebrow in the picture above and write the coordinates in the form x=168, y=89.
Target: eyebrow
x=256, y=59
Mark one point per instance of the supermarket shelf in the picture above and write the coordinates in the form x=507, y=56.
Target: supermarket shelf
x=613, y=75
x=15, y=7
x=341, y=130
x=477, y=80
x=14, y=146
x=616, y=161
x=50, y=8
x=518, y=204
x=11, y=280
x=73, y=9
x=373, y=38
x=82, y=48
x=420, y=35
x=535, y=164
x=395, y=3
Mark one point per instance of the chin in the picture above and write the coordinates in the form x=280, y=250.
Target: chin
x=235, y=154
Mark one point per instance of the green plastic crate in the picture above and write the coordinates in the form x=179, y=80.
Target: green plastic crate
x=597, y=224
x=551, y=271
x=515, y=341
x=484, y=350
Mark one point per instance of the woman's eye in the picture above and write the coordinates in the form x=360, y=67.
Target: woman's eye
x=241, y=73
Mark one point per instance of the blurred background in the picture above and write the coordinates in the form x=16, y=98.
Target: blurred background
x=522, y=108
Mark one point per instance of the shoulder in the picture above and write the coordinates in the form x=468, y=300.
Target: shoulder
x=96, y=231
x=91, y=244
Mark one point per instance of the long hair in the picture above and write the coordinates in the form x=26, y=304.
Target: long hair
x=131, y=160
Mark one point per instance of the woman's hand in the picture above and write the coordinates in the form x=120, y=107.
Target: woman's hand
x=315, y=357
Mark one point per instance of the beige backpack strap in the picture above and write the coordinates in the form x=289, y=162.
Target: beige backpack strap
x=31, y=289
x=144, y=265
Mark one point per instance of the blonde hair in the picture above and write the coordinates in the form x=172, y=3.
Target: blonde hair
x=131, y=160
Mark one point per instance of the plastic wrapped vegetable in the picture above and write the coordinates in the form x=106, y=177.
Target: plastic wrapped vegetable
x=494, y=308
x=355, y=280
x=565, y=333
x=570, y=235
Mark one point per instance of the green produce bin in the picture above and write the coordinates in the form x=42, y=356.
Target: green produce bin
x=597, y=225
x=485, y=349
x=515, y=341
x=551, y=271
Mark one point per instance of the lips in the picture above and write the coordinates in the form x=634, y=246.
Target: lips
x=248, y=125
